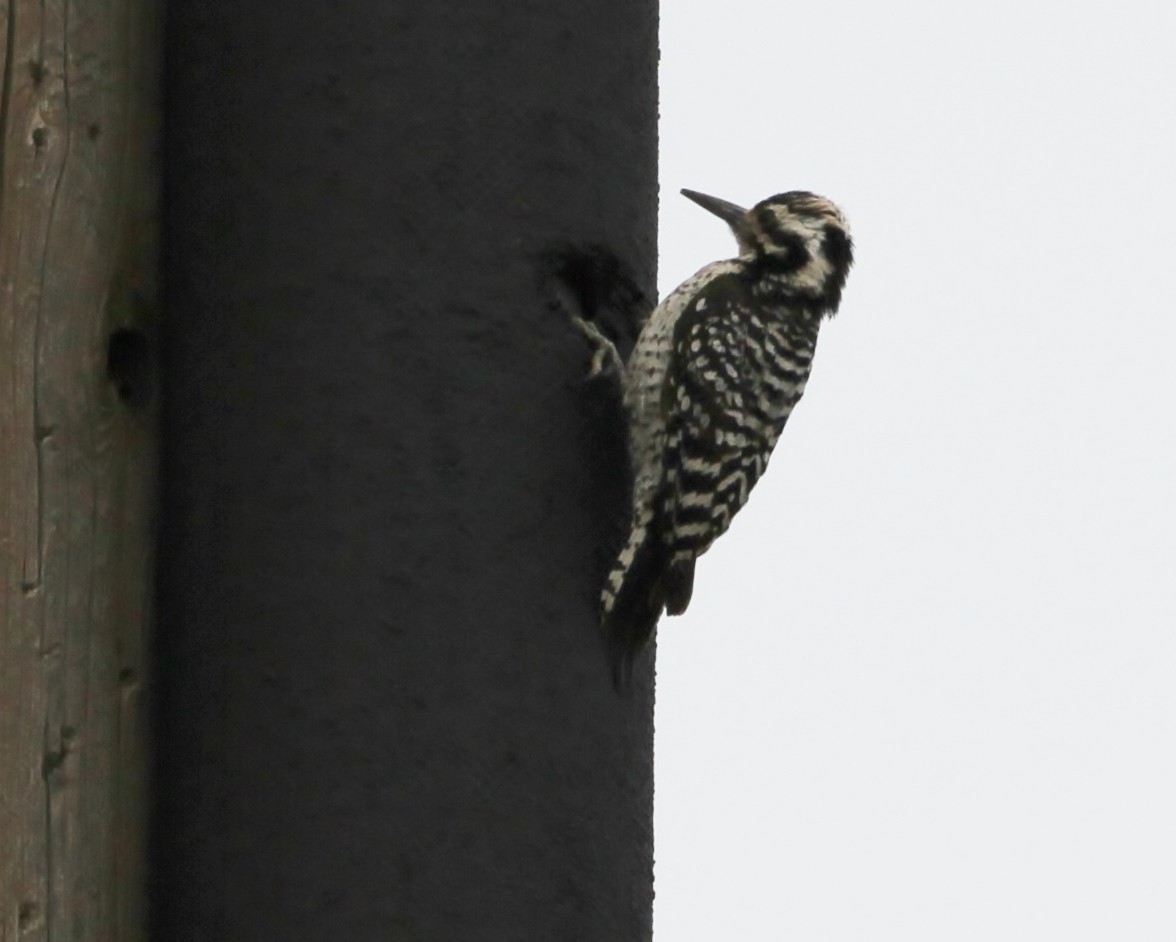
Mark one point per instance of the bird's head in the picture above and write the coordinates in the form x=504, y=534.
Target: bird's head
x=795, y=241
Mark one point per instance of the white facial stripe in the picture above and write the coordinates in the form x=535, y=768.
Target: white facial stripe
x=811, y=230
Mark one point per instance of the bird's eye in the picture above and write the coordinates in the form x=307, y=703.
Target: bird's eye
x=769, y=225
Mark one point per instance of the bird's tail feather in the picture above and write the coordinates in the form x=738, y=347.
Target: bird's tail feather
x=632, y=601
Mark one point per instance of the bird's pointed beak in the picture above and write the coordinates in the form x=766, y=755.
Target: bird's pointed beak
x=733, y=215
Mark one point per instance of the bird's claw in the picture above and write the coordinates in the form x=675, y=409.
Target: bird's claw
x=605, y=358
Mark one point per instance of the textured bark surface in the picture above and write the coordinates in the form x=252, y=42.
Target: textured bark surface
x=78, y=204
x=386, y=711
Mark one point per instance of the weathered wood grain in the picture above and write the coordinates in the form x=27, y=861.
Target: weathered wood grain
x=79, y=115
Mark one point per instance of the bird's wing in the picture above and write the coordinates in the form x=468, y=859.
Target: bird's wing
x=718, y=434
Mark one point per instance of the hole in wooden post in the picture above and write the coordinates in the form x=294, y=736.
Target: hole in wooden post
x=27, y=915
x=128, y=366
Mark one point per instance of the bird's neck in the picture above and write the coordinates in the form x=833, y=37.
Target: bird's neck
x=796, y=297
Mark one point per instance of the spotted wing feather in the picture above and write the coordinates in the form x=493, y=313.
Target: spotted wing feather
x=734, y=384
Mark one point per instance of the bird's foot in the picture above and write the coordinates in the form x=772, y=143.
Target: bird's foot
x=605, y=358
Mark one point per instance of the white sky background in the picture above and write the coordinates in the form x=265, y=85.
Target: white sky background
x=926, y=689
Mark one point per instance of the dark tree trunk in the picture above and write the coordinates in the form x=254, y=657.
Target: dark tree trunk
x=79, y=110
x=386, y=712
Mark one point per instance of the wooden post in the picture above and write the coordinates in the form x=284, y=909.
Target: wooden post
x=78, y=243
x=385, y=707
